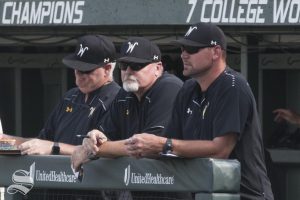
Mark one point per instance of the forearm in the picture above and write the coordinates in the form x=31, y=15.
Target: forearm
x=112, y=149
x=194, y=148
x=219, y=147
x=66, y=149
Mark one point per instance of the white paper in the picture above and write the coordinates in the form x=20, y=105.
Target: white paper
x=1, y=130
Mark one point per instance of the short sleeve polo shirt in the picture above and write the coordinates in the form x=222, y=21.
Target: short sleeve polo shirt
x=227, y=106
x=128, y=115
x=74, y=116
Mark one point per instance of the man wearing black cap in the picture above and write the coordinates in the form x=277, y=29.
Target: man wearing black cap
x=82, y=107
x=214, y=114
x=143, y=105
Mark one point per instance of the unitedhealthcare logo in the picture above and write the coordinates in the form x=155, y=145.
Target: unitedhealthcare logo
x=127, y=175
x=146, y=178
x=23, y=181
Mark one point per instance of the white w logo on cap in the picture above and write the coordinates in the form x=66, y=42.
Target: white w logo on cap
x=190, y=30
x=82, y=50
x=131, y=46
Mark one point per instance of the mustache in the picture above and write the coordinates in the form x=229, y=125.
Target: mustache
x=130, y=78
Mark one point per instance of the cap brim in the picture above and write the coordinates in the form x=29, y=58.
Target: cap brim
x=133, y=60
x=71, y=62
x=185, y=42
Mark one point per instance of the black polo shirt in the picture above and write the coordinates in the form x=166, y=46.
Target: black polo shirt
x=128, y=115
x=227, y=106
x=74, y=116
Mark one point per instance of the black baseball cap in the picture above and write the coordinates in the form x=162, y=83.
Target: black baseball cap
x=92, y=51
x=203, y=35
x=139, y=50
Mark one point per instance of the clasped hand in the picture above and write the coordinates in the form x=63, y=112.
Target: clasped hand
x=89, y=148
x=143, y=145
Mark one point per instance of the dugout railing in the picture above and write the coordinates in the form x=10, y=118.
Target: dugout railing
x=206, y=178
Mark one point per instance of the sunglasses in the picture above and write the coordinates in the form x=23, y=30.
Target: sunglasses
x=133, y=66
x=191, y=49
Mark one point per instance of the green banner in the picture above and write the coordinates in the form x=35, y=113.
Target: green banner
x=22, y=173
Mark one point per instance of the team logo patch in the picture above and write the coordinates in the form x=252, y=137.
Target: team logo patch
x=189, y=111
x=106, y=60
x=92, y=109
x=131, y=46
x=213, y=42
x=82, y=50
x=23, y=181
x=69, y=109
x=190, y=30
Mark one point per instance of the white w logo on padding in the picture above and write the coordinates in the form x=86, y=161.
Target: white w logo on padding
x=82, y=50
x=131, y=46
x=190, y=30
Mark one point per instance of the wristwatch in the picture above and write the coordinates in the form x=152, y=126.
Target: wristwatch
x=168, y=146
x=55, y=149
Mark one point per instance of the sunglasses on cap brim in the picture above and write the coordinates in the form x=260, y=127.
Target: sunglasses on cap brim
x=133, y=66
x=192, y=49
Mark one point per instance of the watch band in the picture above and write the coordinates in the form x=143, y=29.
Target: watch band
x=168, y=146
x=55, y=149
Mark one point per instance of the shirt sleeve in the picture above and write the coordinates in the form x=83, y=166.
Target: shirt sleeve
x=48, y=131
x=109, y=124
x=160, y=108
x=174, y=126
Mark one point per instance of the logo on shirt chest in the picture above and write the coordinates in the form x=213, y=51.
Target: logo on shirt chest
x=92, y=110
x=201, y=107
x=189, y=111
x=69, y=109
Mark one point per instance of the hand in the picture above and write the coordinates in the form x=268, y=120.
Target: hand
x=79, y=157
x=286, y=115
x=5, y=136
x=36, y=147
x=95, y=140
x=144, y=145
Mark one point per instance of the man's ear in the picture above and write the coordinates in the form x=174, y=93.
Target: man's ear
x=159, y=66
x=217, y=52
x=107, y=69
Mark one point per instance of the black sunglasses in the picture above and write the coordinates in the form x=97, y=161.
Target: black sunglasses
x=133, y=66
x=192, y=49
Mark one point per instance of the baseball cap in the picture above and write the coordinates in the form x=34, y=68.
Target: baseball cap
x=203, y=35
x=92, y=51
x=139, y=50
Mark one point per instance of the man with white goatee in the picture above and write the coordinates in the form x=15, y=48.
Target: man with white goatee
x=143, y=105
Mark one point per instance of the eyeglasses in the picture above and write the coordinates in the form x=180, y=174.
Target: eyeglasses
x=192, y=49
x=133, y=66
